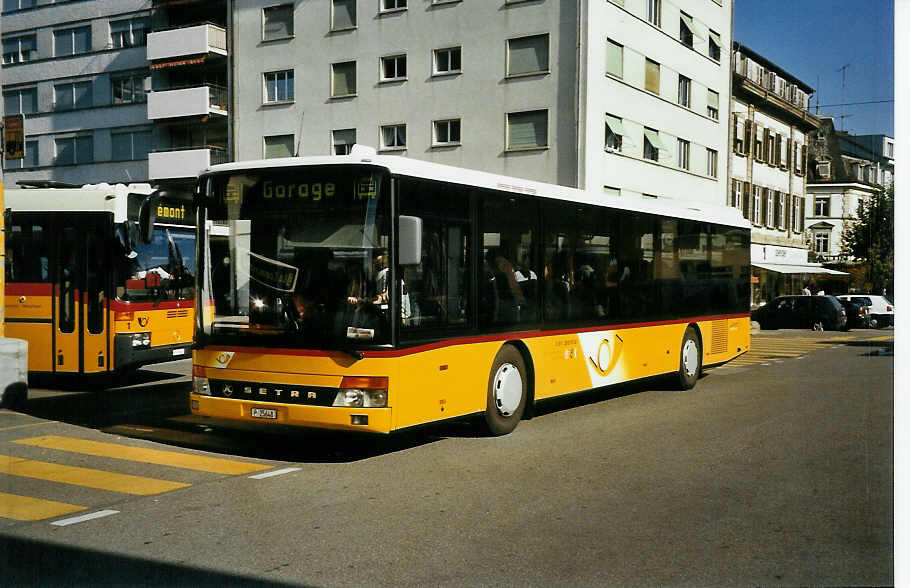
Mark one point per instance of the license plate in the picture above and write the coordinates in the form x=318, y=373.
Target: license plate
x=180, y=351
x=264, y=413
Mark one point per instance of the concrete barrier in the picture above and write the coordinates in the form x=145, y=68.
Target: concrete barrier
x=13, y=372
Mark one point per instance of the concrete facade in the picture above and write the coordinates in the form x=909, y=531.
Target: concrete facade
x=97, y=123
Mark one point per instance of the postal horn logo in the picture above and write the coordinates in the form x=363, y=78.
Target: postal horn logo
x=607, y=355
x=143, y=321
x=224, y=358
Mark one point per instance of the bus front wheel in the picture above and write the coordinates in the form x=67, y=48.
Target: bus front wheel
x=689, y=359
x=506, y=391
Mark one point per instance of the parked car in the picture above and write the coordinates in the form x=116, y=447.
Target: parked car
x=882, y=308
x=802, y=312
x=859, y=314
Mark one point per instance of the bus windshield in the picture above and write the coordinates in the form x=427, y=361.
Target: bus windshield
x=297, y=257
x=162, y=269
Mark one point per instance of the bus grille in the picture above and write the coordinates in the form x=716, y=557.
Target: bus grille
x=177, y=313
x=719, y=336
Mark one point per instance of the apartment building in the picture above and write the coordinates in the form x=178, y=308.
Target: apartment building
x=77, y=73
x=629, y=98
x=626, y=97
x=843, y=172
x=770, y=127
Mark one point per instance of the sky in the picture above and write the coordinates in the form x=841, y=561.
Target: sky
x=813, y=39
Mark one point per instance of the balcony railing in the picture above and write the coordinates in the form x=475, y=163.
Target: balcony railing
x=193, y=101
x=184, y=162
x=185, y=41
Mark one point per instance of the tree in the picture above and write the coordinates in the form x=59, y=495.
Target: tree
x=870, y=240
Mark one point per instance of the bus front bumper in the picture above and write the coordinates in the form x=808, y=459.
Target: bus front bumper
x=126, y=356
x=374, y=420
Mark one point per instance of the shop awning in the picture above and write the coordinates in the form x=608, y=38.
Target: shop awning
x=783, y=268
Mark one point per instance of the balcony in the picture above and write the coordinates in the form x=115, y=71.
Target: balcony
x=175, y=44
x=184, y=162
x=184, y=102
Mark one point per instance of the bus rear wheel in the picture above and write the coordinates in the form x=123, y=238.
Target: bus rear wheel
x=507, y=391
x=689, y=359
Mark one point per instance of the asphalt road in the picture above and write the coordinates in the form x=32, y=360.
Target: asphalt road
x=772, y=472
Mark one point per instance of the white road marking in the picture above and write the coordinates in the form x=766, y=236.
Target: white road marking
x=274, y=473
x=83, y=518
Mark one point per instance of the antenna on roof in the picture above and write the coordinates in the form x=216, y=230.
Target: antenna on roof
x=843, y=94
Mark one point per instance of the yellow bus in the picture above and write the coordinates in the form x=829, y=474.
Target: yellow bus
x=99, y=279
x=376, y=293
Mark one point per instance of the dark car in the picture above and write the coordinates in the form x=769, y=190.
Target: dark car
x=818, y=313
x=859, y=314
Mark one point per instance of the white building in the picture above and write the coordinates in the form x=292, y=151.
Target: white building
x=629, y=98
x=770, y=126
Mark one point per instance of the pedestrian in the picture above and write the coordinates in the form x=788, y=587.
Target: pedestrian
x=806, y=291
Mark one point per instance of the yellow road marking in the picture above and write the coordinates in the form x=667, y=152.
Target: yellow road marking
x=23, y=508
x=154, y=456
x=23, y=426
x=77, y=476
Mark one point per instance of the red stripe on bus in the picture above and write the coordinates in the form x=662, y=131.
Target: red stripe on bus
x=475, y=339
x=28, y=289
x=122, y=306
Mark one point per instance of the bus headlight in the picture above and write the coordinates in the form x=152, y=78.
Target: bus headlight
x=357, y=392
x=201, y=386
x=141, y=339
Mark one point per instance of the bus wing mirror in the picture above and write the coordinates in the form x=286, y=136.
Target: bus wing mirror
x=410, y=233
x=148, y=212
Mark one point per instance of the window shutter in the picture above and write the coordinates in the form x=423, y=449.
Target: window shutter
x=747, y=198
x=747, y=141
x=652, y=76
x=614, y=58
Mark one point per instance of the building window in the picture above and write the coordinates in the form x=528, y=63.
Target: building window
x=769, y=207
x=278, y=22
x=736, y=199
x=821, y=240
x=682, y=153
x=685, y=91
x=614, y=58
x=72, y=41
x=128, y=90
x=386, y=5
x=795, y=217
x=652, y=76
x=343, y=140
x=278, y=146
x=889, y=149
x=393, y=68
x=278, y=86
x=822, y=206
x=22, y=101
x=712, y=162
x=72, y=95
x=128, y=33
x=713, y=45
x=447, y=132
x=713, y=104
x=447, y=61
x=756, y=205
x=738, y=135
x=652, y=144
x=20, y=49
x=654, y=12
x=758, y=143
x=344, y=79
x=526, y=130
x=344, y=14
x=780, y=216
x=10, y=5
x=30, y=159
x=614, y=133
x=824, y=169
x=72, y=150
x=528, y=55
x=130, y=146
x=393, y=137
x=686, y=27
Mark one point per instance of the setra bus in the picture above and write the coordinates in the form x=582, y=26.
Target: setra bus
x=376, y=293
x=99, y=278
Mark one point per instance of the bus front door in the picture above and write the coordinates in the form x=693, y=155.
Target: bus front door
x=80, y=297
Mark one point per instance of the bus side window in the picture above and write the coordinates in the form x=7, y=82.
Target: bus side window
x=27, y=251
x=436, y=289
